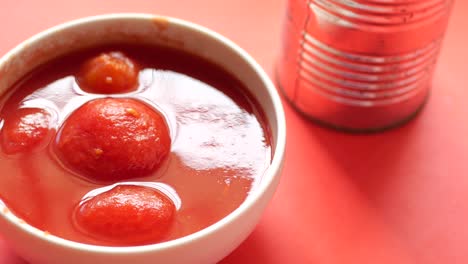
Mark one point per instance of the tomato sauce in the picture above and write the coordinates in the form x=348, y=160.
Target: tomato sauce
x=219, y=142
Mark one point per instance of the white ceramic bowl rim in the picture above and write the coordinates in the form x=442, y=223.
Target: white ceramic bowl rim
x=267, y=179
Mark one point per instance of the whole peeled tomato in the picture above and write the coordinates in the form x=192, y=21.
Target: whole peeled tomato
x=24, y=130
x=111, y=139
x=108, y=73
x=126, y=215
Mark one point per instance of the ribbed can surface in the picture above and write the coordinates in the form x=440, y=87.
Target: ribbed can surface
x=361, y=65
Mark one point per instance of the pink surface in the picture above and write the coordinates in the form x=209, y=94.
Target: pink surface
x=393, y=197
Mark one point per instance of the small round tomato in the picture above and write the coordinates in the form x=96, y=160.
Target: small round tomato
x=127, y=215
x=111, y=139
x=108, y=73
x=24, y=130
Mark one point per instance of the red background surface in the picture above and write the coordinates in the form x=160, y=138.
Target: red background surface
x=394, y=197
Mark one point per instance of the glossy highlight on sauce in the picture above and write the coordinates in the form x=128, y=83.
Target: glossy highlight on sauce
x=220, y=144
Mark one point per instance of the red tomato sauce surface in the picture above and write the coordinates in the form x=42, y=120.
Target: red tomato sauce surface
x=219, y=145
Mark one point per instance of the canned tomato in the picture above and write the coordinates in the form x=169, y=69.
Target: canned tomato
x=361, y=65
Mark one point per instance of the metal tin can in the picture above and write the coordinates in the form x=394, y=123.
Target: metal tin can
x=361, y=65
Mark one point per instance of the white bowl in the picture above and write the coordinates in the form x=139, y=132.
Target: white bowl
x=206, y=246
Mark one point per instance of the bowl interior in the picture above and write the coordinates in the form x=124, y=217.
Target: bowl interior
x=144, y=29
x=155, y=30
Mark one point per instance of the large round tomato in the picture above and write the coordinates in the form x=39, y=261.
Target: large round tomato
x=111, y=139
x=127, y=215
